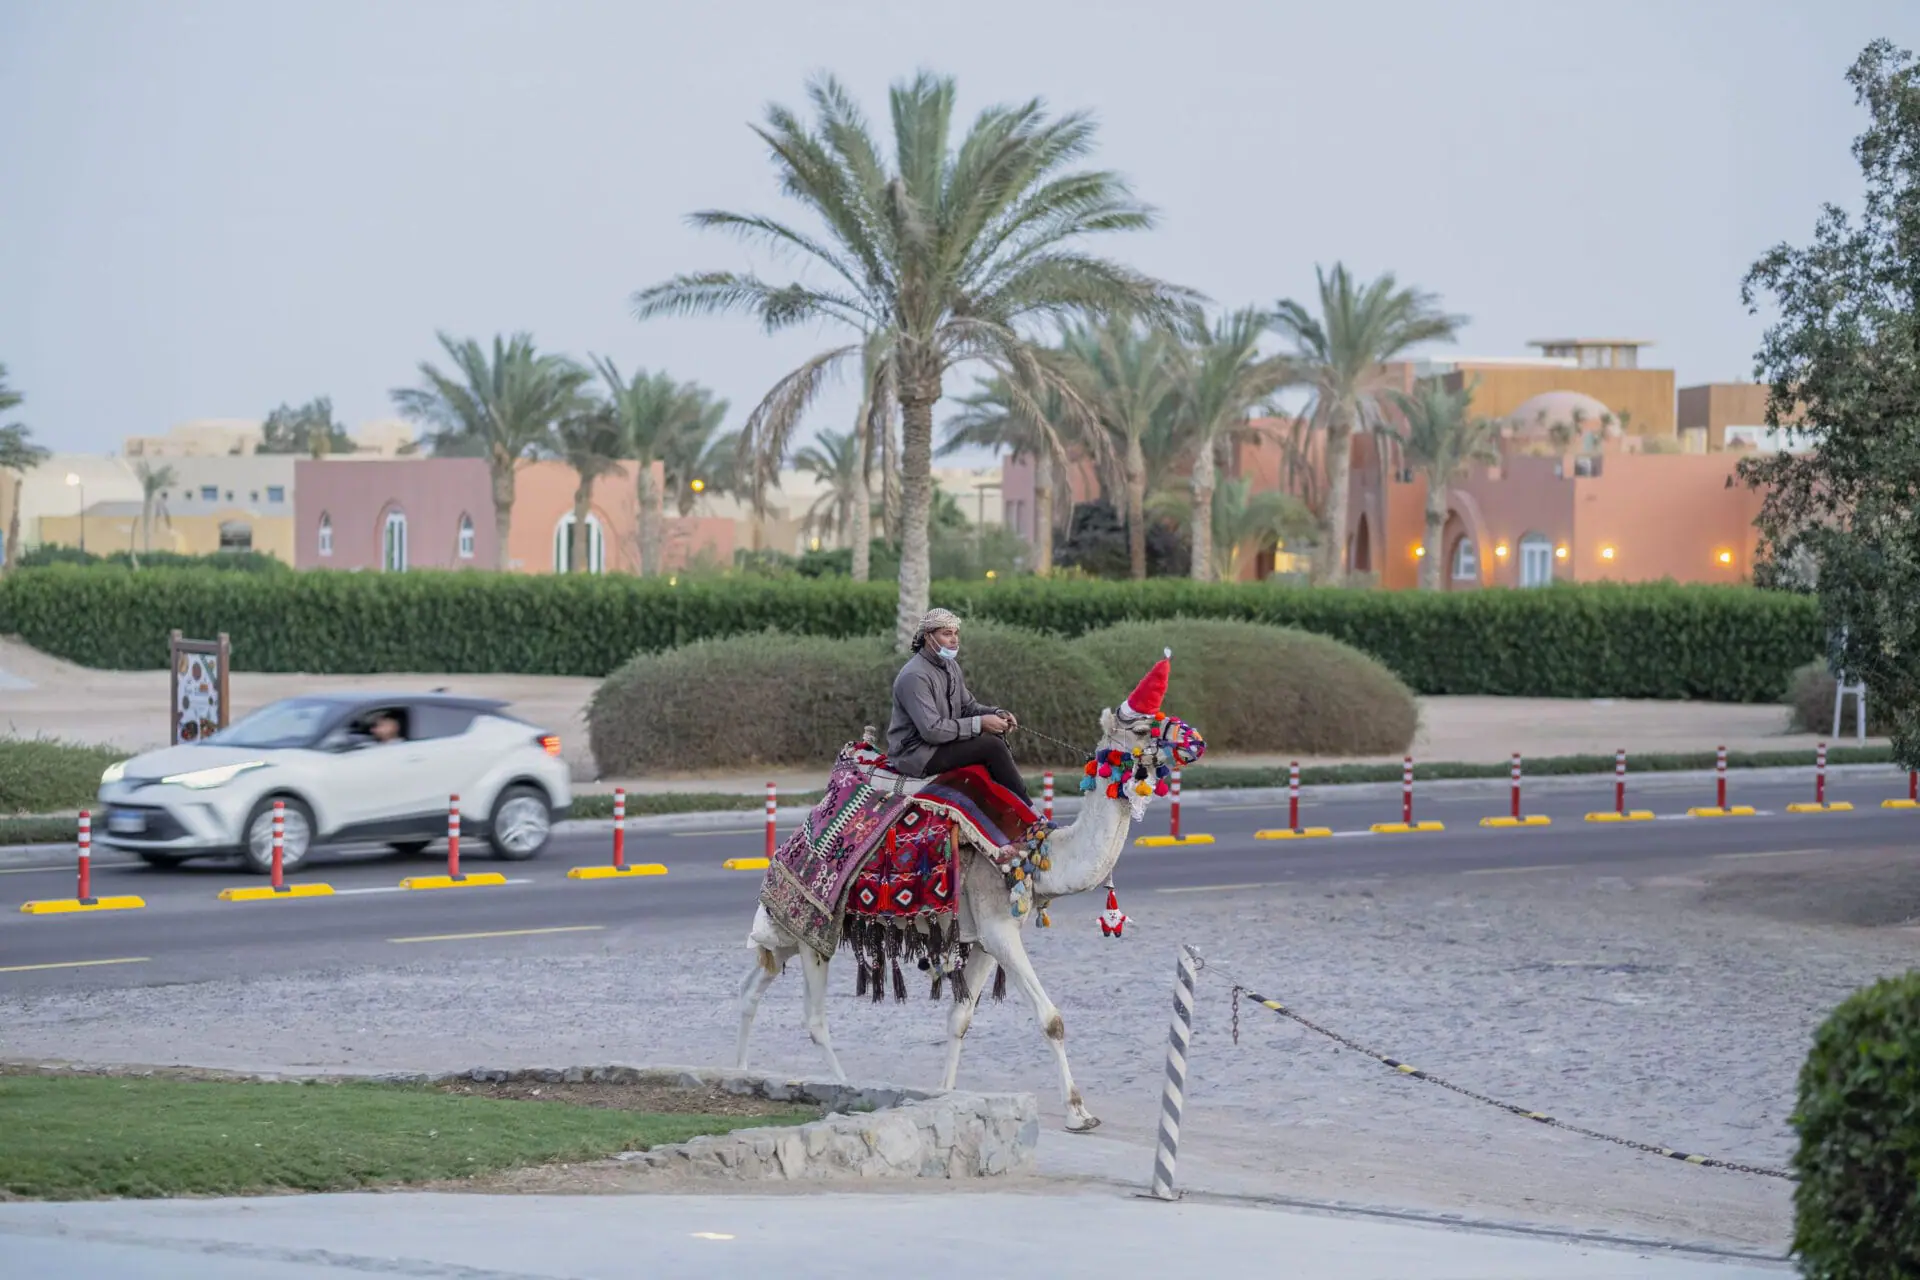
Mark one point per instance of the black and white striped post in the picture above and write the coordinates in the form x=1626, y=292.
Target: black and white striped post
x=1173, y=1099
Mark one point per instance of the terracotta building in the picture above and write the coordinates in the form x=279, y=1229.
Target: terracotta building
x=393, y=515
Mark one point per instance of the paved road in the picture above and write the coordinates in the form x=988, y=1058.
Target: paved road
x=185, y=933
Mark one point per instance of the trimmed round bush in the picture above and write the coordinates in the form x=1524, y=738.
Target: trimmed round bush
x=1809, y=700
x=1857, y=1206
x=1254, y=688
x=775, y=699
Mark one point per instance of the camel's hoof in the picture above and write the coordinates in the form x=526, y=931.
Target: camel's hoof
x=1086, y=1126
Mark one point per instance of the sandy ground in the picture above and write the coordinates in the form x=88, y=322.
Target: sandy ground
x=128, y=709
x=1671, y=1006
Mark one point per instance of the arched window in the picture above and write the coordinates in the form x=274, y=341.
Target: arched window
x=1466, y=561
x=466, y=536
x=563, y=545
x=325, y=534
x=1536, y=560
x=393, y=542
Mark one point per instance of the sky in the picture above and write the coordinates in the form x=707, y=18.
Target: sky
x=209, y=208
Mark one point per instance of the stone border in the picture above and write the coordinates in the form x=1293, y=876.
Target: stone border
x=869, y=1131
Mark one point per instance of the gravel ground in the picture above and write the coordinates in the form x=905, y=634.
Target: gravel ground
x=1669, y=1008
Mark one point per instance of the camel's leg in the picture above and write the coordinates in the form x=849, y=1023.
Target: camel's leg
x=767, y=964
x=815, y=969
x=978, y=975
x=1002, y=938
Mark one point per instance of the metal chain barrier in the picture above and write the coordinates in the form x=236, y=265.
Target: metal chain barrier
x=1539, y=1117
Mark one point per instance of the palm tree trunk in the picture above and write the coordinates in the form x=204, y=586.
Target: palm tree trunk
x=1202, y=569
x=1136, y=510
x=653, y=523
x=1044, y=474
x=862, y=513
x=1330, y=558
x=916, y=505
x=502, y=468
x=892, y=500
x=577, y=541
x=1436, y=522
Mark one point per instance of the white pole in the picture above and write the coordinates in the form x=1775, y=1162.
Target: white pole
x=1173, y=1098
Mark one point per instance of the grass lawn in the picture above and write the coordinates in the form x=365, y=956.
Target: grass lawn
x=76, y=1137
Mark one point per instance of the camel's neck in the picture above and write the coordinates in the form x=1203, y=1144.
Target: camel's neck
x=1082, y=854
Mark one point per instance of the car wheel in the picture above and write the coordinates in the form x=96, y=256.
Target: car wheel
x=296, y=837
x=159, y=859
x=408, y=847
x=521, y=823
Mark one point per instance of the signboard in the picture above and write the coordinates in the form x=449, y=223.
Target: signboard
x=199, y=686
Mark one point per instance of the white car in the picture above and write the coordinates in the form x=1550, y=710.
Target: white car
x=360, y=768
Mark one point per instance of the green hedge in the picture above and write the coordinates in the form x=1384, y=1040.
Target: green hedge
x=1657, y=640
x=1857, y=1208
x=40, y=775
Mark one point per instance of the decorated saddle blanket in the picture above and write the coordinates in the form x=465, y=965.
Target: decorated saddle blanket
x=808, y=881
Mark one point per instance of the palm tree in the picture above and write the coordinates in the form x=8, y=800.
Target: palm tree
x=699, y=463
x=834, y=460
x=1338, y=357
x=1126, y=375
x=154, y=482
x=590, y=440
x=1222, y=378
x=1032, y=423
x=18, y=455
x=1438, y=440
x=654, y=412
x=503, y=409
x=946, y=250
x=1241, y=521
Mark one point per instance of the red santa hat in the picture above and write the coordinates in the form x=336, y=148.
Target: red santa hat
x=1146, y=696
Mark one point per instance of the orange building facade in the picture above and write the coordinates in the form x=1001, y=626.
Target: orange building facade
x=543, y=524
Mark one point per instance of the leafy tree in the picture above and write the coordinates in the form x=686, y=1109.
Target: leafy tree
x=154, y=482
x=1438, y=440
x=1338, y=356
x=699, y=463
x=654, y=414
x=1032, y=423
x=1097, y=543
x=590, y=440
x=308, y=429
x=502, y=407
x=834, y=459
x=1125, y=373
x=1842, y=364
x=18, y=455
x=1240, y=522
x=946, y=252
x=1222, y=378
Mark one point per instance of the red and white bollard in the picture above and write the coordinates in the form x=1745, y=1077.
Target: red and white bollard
x=1515, y=775
x=1406, y=792
x=1176, y=803
x=453, y=838
x=1720, y=808
x=1620, y=782
x=1720, y=779
x=1046, y=795
x=1407, y=825
x=1514, y=818
x=85, y=893
x=1293, y=796
x=1820, y=776
x=619, y=827
x=279, y=844
x=773, y=805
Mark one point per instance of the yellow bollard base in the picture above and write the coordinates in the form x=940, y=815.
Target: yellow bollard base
x=745, y=864
x=472, y=880
x=1288, y=833
x=617, y=873
x=1836, y=806
x=1529, y=820
x=267, y=893
x=1900, y=804
x=1405, y=828
x=1631, y=815
x=1736, y=811
x=67, y=906
x=1156, y=842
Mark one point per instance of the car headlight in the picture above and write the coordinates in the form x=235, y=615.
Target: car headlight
x=220, y=776
x=113, y=772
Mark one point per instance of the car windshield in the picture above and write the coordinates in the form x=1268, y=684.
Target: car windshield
x=295, y=722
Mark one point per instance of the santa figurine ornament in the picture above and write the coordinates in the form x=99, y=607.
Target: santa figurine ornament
x=1113, y=919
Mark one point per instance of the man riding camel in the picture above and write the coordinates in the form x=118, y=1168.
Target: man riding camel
x=936, y=723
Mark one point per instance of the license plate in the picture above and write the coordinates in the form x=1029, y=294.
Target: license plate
x=126, y=822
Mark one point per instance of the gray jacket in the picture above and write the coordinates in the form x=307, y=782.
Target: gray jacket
x=931, y=707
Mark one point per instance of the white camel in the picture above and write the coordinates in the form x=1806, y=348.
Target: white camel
x=1080, y=855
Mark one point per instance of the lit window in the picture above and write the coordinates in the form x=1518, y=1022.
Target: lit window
x=466, y=536
x=1536, y=561
x=325, y=538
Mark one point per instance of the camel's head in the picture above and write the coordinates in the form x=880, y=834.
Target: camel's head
x=1137, y=755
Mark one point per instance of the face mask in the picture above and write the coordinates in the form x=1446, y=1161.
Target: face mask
x=948, y=654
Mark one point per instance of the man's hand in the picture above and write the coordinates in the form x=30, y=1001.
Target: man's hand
x=995, y=723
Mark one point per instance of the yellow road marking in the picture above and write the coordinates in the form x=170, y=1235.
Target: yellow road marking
x=501, y=933
x=1514, y=871
x=73, y=964
x=1773, y=853
x=1219, y=888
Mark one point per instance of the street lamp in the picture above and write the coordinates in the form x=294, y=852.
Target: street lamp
x=74, y=480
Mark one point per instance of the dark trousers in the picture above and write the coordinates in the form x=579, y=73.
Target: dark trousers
x=989, y=749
